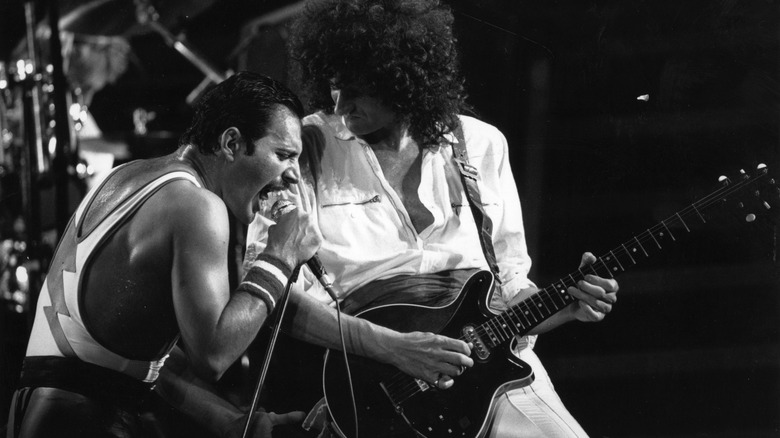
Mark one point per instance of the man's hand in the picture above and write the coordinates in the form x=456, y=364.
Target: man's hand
x=262, y=423
x=295, y=237
x=595, y=295
x=433, y=358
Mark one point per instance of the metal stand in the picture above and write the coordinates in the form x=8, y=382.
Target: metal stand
x=270, y=350
x=147, y=15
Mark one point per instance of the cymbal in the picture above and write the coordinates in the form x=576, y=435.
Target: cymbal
x=120, y=17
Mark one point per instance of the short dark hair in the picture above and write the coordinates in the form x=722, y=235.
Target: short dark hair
x=404, y=51
x=245, y=100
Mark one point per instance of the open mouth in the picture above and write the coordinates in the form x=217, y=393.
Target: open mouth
x=269, y=190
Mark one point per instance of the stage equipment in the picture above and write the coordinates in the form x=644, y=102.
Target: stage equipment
x=263, y=45
x=122, y=17
x=39, y=163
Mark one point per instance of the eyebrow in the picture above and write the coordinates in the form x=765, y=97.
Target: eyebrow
x=289, y=149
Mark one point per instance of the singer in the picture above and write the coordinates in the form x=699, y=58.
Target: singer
x=143, y=264
x=386, y=190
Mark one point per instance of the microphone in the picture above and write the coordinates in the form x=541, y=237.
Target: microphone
x=284, y=206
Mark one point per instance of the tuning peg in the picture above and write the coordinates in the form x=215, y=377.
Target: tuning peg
x=723, y=179
x=761, y=166
x=750, y=218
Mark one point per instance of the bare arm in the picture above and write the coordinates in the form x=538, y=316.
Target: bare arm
x=201, y=402
x=422, y=355
x=217, y=326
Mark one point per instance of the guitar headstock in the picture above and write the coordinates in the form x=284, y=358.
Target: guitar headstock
x=754, y=195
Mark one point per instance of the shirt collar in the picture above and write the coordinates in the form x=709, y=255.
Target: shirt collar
x=342, y=132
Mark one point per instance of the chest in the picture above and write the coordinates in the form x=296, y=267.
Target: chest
x=403, y=171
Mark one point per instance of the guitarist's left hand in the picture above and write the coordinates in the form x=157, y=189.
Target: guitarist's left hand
x=595, y=295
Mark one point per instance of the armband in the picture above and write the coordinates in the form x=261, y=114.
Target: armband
x=266, y=279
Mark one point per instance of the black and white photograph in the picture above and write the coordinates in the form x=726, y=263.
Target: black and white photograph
x=389, y=218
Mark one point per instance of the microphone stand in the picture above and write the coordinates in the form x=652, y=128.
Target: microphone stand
x=269, y=350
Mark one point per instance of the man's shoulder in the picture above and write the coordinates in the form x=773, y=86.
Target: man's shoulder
x=474, y=126
x=322, y=120
x=155, y=204
x=131, y=181
x=482, y=138
x=187, y=210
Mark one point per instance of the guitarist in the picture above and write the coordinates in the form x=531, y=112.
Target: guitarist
x=385, y=188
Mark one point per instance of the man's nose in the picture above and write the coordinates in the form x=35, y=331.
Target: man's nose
x=343, y=102
x=291, y=175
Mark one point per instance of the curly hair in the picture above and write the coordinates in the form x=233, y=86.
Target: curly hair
x=245, y=100
x=403, y=51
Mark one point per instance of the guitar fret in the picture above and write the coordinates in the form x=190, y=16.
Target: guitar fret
x=497, y=335
x=597, y=263
x=642, y=247
x=628, y=254
x=654, y=240
x=614, y=262
x=697, y=212
x=524, y=313
x=670, y=231
x=504, y=326
x=529, y=311
x=550, y=300
x=683, y=222
x=556, y=294
x=537, y=306
x=618, y=261
x=491, y=334
x=513, y=326
x=543, y=304
x=517, y=322
x=500, y=330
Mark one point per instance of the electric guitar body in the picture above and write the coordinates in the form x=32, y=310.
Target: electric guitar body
x=392, y=404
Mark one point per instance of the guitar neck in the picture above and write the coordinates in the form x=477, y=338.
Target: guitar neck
x=524, y=316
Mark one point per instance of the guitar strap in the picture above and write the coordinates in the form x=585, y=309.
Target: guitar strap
x=469, y=177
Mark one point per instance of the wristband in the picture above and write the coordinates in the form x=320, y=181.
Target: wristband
x=266, y=279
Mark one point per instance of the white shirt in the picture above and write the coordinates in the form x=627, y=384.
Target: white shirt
x=367, y=232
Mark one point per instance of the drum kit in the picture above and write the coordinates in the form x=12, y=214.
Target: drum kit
x=45, y=122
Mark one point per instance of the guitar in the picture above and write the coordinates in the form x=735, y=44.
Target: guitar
x=393, y=404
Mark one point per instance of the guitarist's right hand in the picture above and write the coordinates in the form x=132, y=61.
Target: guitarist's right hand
x=433, y=358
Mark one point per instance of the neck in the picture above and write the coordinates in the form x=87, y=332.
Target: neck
x=201, y=164
x=391, y=138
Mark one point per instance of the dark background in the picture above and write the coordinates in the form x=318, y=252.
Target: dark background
x=693, y=346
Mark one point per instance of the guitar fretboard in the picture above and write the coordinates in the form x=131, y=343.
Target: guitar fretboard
x=521, y=318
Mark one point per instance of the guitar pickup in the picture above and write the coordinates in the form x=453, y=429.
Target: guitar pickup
x=480, y=348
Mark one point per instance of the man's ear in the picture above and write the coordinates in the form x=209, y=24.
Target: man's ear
x=230, y=142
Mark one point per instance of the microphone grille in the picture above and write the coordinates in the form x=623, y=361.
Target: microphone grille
x=281, y=207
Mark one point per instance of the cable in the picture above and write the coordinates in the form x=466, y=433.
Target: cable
x=326, y=282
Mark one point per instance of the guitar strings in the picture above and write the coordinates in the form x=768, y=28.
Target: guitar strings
x=545, y=296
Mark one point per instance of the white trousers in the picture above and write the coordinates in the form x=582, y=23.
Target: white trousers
x=534, y=411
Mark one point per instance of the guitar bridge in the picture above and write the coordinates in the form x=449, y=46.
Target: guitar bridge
x=480, y=348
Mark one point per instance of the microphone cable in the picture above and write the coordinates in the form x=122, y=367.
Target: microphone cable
x=327, y=283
